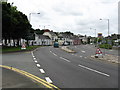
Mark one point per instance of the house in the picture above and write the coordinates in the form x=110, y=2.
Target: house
x=41, y=40
x=64, y=38
x=51, y=35
x=76, y=40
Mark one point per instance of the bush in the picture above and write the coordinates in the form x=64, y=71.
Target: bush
x=106, y=46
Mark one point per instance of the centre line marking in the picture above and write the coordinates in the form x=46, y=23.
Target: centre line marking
x=64, y=59
x=54, y=54
x=48, y=79
x=38, y=65
x=94, y=70
x=42, y=71
x=83, y=51
x=80, y=56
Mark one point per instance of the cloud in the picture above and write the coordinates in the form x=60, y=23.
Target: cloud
x=76, y=16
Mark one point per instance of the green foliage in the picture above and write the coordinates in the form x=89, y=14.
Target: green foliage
x=106, y=46
x=15, y=24
x=38, y=31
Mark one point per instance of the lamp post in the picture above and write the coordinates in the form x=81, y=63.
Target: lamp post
x=95, y=34
x=108, y=25
x=95, y=31
x=44, y=25
x=30, y=15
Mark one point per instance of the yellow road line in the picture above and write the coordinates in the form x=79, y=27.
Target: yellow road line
x=43, y=82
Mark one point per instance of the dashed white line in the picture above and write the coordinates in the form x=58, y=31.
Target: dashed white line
x=64, y=59
x=54, y=54
x=34, y=58
x=83, y=51
x=42, y=71
x=48, y=80
x=80, y=56
x=94, y=70
x=72, y=54
x=38, y=65
x=35, y=61
x=85, y=57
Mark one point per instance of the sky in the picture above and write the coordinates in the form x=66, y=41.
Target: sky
x=76, y=16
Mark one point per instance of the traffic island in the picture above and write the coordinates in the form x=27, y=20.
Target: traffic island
x=106, y=57
x=67, y=49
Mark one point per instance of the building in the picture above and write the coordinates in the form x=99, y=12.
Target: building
x=51, y=35
x=41, y=40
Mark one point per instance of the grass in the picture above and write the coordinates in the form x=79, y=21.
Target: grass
x=17, y=49
x=106, y=46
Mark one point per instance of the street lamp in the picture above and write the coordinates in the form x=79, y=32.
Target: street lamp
x=108, y=24
x=30, y=15
x=44, y=25
x=95, y=31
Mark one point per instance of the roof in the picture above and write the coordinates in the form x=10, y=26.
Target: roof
x=43, y=37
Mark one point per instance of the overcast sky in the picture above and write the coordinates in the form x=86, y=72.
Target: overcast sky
x=77, y=16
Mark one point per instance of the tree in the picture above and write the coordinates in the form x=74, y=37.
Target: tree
x=15, y=23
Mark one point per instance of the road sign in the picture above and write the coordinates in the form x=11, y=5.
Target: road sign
x=23, y=46
x=98, y=52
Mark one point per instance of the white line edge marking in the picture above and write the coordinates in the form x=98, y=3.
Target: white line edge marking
x=42, y=71
x=34, y=58
x=80, y=56
x=64, y=59
x=94, y=70
x=48, y=80
x=36, y=61
x=38, y=65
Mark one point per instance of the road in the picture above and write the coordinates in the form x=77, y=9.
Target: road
x=66, y=70
x=12, y=79
x=72, y=71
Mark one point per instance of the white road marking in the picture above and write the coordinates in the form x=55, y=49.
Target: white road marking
x=83, y=51
x=34, y=58
x=64, y=59
x=85, y=57
x=38, y=65
x=32, y=53
x=54, y=54
x=51, y=51
x=80, y=56
x=42, y=71
x=72, y=54
x=35, y=61
x=94, y=70
x=48, y=79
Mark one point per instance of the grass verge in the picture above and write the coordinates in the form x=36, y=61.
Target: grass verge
x=17, y=49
